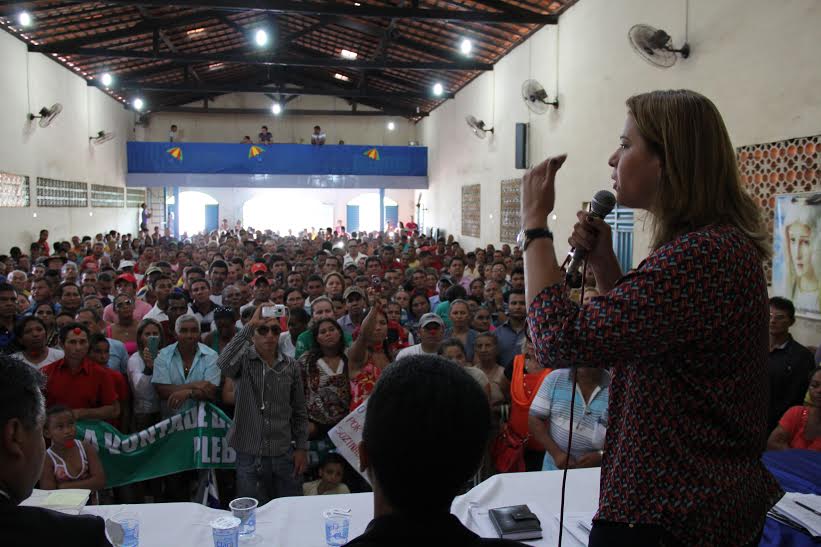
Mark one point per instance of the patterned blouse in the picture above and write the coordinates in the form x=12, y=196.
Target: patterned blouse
x=686, y=336
x=327, y=396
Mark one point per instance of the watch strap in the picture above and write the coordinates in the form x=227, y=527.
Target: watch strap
x=535, y=233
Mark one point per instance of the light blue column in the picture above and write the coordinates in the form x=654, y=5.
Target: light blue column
x=381, y=209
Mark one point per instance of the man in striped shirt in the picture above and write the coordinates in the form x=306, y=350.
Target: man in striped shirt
x=270, y=429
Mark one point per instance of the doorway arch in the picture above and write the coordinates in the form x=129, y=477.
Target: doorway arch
x=363, y=213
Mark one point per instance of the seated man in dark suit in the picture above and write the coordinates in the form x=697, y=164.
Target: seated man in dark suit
x=22, y=451
x=425, y=431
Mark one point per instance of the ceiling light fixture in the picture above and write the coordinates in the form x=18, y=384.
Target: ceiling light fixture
x=391, y=126
x=215, y=66
x=438, y=89
x=106, y=79
x=24, y=18
x=195, y=31
x=342, y=77
x=276, y=108
x=466, y=46
x=261, y=38
x=347, y=54
x=138, y=104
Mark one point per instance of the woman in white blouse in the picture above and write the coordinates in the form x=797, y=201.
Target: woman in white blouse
x=33, y=336
x=140, y=368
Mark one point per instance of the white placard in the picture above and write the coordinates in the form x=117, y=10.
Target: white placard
x=347, y=435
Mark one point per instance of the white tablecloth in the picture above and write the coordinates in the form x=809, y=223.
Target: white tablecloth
x=298, y=521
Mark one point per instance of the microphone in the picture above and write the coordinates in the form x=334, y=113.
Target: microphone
x=601, y=206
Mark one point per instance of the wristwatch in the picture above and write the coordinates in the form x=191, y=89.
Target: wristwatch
x=526, y=236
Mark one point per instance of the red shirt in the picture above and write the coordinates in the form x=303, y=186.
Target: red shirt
x=91, y=387
x=120, y=388
x=794, y=422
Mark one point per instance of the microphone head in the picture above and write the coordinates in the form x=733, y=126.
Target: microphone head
x=603, y=203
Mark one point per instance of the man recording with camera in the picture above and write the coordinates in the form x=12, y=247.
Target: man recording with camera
x=270, y=429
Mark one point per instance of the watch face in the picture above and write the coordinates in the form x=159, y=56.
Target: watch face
x=520, y=239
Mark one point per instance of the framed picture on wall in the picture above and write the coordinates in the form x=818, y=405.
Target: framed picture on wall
x=797, y=252
x=471, y=210
x=510, y=209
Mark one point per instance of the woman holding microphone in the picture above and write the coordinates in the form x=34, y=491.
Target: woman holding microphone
x=685, y=332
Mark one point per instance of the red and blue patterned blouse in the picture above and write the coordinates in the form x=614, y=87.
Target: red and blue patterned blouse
x=686, y=336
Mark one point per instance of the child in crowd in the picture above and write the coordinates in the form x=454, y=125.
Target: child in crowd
x=454, y=350
x=331, y=471
x=99, y=352
x=70, y=463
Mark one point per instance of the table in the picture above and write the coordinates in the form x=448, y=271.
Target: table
x=298, y=521
x=796, y=471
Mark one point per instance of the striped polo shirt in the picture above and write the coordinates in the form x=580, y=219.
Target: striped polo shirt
x=552, y=403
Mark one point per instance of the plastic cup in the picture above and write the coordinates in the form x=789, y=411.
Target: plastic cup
x=245, y=509
x=225, y=530
x=337, y=523
x=130, y=524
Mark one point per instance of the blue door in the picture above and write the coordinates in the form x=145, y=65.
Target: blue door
x=212, y=217
x=353, y=219
x=391, y=216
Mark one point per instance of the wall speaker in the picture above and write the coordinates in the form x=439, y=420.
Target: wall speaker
x=521, y=146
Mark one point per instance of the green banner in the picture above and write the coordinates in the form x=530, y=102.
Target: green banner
x=195, y=439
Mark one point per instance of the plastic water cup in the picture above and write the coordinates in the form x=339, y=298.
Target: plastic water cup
x=225, y=530
x=337, y=523
x=130, y=523
x=245, y=509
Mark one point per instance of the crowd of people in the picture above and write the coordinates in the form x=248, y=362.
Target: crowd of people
x=288, y=335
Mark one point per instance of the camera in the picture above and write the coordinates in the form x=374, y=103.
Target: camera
x=275, y=311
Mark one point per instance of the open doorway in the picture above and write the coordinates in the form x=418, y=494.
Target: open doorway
x=198, y=212
x=281, y=209
x=363, y=213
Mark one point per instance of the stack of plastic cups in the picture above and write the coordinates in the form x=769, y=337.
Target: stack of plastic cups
x=225, y=530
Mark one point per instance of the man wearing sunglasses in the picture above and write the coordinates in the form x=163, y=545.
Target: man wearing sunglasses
x=270, y=429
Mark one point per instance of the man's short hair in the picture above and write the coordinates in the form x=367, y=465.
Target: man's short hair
x=21, y=394
x=92, y=311
x=194, y=269
x=198, y=280
x=8, y=287
x=97, y=338
x=161, y=277
x=449, y=406
x=177, y=296
x=218, y=263
x=300, y=315
x=783, y=304
x=186, y=318
x=70, y=328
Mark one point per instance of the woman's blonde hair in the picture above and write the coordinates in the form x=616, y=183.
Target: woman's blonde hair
x=700, y=183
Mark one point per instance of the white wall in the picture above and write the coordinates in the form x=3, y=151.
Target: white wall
x=753, y=58
x=286, y=129
x=231, y=200
x=29, y=82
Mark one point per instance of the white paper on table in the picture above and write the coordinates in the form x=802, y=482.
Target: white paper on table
x=69, y=500
x=578, y=525
x=347, y=434
x=806, y=518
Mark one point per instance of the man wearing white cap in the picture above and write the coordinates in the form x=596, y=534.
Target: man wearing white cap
x=431, y=332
